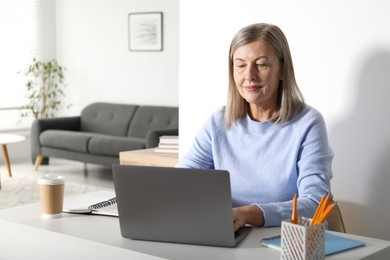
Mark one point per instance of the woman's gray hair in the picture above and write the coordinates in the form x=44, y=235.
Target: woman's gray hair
x=290, y=99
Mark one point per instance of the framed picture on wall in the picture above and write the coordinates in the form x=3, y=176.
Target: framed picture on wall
x=145, y=31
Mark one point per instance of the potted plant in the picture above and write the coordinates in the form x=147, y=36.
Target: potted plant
x=45, y=83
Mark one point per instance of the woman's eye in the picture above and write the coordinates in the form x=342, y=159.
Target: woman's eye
x=262, y=65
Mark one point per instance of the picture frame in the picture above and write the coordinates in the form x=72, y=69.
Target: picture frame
x=145, y=31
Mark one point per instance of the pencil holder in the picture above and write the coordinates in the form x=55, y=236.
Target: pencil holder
x=302, y=241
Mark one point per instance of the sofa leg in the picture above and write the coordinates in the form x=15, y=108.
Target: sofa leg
x=85, y=170
x=38, y=162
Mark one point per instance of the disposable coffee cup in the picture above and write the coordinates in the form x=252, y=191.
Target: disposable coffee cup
x=51, y=188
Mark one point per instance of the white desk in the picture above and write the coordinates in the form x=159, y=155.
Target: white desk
x=25, y=242
x=99, y=234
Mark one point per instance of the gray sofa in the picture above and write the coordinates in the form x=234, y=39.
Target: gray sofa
x=101, y=132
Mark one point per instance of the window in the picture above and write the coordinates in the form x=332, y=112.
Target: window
x=19, y=42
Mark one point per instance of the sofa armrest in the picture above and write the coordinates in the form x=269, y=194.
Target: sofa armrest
x=41, y=124
x=153, y=136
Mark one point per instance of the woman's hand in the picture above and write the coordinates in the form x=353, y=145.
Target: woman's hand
x=251, y=215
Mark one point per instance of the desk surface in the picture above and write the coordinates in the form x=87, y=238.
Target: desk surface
x=24, y=242
x=100, y=233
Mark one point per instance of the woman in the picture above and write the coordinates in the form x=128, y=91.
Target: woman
x=271, y=142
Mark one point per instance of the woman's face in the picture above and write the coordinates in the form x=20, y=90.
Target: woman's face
x=257, y=72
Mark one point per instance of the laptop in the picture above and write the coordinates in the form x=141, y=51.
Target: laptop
x=181, y=205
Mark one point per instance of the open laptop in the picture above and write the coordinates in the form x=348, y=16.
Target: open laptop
x=191, y=206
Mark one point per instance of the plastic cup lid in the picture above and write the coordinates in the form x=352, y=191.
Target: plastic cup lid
x=51, y=180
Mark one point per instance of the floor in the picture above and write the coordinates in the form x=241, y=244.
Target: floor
x=95, y=175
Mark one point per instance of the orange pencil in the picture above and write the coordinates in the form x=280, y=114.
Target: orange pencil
x=329, y=200
x=294, y=218
x=318, y=210
x=326, y=213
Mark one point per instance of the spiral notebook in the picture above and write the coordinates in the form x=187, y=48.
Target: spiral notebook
x=96, y=205
x=333, y=243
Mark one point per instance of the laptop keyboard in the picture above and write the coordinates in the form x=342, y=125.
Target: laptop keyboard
x=242, y=232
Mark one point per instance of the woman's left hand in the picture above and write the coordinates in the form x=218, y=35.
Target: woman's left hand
x=251, y=215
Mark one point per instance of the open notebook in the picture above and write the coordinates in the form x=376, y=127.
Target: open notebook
x=99, y=203
x=333, y=243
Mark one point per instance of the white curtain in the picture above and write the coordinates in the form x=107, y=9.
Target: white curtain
x=20, y=36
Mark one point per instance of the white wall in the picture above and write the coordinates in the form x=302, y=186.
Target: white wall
x=47, y=18
x=92, y=43
x=341, y=53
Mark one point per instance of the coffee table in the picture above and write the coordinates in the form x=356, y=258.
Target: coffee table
x=7, y=139
x=147, y=157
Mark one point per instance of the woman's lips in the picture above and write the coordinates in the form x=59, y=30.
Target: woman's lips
x=252, y=88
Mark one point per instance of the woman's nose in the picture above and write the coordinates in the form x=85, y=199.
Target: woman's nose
x=251, y=74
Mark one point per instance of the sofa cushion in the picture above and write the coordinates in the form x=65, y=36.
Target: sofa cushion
x=63, y=139
x=111, y=145
x=107, y=118
x=148, y=118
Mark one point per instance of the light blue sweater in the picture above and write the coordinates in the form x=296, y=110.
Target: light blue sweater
x=268, y=162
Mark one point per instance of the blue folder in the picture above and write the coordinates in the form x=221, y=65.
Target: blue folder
x=333, y=243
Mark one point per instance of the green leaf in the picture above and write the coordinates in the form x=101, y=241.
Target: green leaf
x=45, y=81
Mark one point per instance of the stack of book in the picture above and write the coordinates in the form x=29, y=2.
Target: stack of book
x=168, y=144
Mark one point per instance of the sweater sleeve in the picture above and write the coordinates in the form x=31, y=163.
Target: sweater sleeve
x=314, y=174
